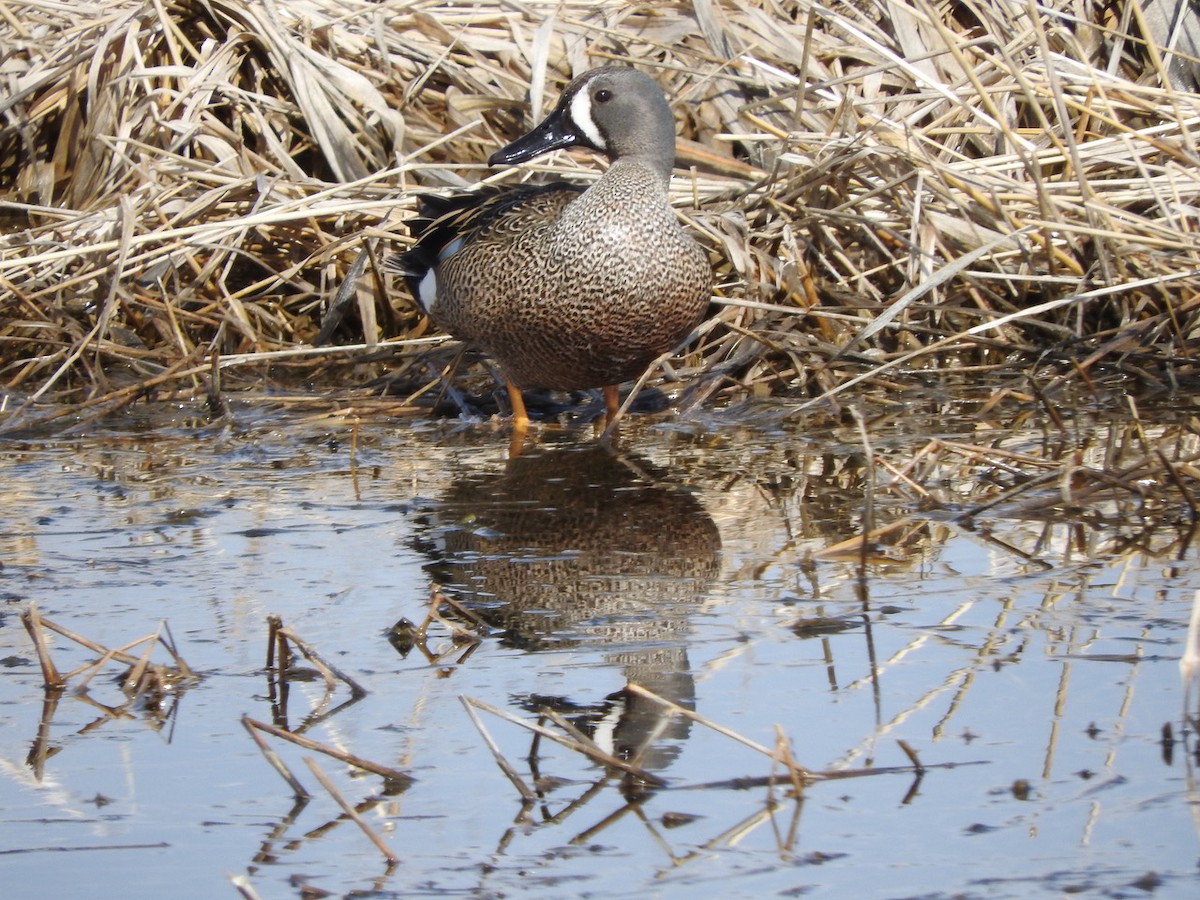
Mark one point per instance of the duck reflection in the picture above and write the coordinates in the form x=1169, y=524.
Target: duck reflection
x=580, y=547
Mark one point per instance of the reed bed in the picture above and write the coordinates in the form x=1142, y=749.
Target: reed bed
x=888, y=189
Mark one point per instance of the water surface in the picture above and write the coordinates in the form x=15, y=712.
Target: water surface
x=1027, y=656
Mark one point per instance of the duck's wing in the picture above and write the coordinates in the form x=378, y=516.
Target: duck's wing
x=444, y=225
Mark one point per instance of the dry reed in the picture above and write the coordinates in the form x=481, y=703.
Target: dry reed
x=885, y=187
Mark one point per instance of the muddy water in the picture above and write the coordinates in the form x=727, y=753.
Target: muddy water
x=1026, y=656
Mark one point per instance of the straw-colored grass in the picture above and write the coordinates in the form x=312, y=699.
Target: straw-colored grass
x=885, y=186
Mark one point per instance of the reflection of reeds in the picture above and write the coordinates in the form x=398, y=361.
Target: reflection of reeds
x=395, y=781
x=281, y=669
x=638, y=785
x=795, y=774
x=882, y=188
x=142, y=675
x=150, y=687
x=404, y=635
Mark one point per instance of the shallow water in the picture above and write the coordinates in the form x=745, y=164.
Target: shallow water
x=1027, y=655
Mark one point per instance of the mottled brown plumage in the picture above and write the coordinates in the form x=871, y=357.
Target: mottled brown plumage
x=569, y=288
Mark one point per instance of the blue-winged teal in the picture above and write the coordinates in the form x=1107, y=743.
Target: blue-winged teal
x=565, y=287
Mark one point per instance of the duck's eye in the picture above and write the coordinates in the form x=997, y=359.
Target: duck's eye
x=602, y=96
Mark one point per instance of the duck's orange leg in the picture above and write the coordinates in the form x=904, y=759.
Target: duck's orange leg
x=612, y=408
x=517, y=402
x=520, y=417
x=612, y=403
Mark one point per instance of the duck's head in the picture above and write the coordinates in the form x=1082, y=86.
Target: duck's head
x=615, y=110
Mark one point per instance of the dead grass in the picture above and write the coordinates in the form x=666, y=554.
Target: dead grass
x=885, y=187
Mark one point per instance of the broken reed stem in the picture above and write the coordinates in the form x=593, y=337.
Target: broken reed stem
x=800, y=776
x=799, y=771
x=592, y=751
x=284, y=636
x=118, y=654
x=94, y=668
x=396, y=779
x=276, y=761
x=138, y=669
x=33, y=623
x=351, y=811
x=274, y=623
x=168, y=640
x=438, y=597
x=912, y=756
x=783, y=748
x=527, y=794
x=36, y=626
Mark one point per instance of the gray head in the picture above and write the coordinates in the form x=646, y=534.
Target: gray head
x=616, y=110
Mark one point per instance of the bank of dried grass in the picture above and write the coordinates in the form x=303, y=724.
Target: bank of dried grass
x=885, y=187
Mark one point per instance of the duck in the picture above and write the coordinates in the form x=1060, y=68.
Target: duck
x=568, y=286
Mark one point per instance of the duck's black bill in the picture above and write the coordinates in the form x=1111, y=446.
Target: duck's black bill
x=552, y=134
